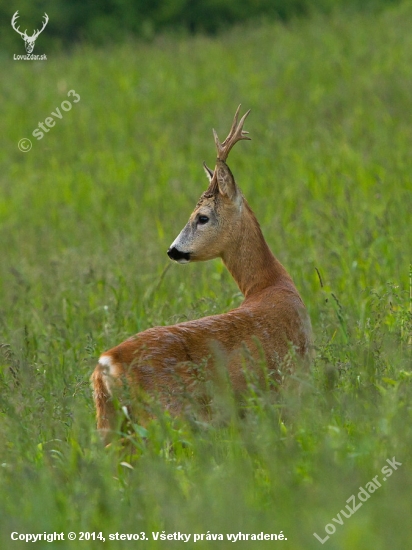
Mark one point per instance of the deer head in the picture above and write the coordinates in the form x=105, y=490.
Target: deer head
x=216, y=221
x=29, y=41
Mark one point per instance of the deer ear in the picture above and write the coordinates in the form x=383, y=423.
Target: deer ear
x=208, y=171
x=225, y=180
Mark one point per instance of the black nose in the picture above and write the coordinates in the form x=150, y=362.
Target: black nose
x=176, y=255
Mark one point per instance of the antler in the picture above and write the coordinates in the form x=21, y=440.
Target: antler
x=14, y=21
x=236, y=134
x=36, y=33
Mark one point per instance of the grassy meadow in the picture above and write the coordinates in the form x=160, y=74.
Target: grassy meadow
x=86, y=217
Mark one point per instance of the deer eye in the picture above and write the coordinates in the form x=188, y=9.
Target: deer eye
x=202, y=220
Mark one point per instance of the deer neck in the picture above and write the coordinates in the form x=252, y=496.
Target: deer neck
x=251, y=262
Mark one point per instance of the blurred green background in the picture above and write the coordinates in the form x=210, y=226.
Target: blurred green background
x=86, y=217
x=110, y=21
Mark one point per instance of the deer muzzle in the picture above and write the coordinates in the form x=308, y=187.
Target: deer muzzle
x=178, y=256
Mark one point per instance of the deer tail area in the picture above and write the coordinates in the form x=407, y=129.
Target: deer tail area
x=102, y=381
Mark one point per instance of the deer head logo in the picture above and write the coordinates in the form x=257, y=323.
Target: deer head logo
x=29, y=41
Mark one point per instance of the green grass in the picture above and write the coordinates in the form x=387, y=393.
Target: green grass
x=85, y=220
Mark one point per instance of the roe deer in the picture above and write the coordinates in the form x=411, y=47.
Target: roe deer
x=272, y=318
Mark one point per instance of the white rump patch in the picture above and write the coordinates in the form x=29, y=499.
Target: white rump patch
x=110, y=372
x=106, y=361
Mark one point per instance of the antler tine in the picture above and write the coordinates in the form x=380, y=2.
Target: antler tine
x=13, y=24
x=46, y=20
x=236, y=134
x=234, y=124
